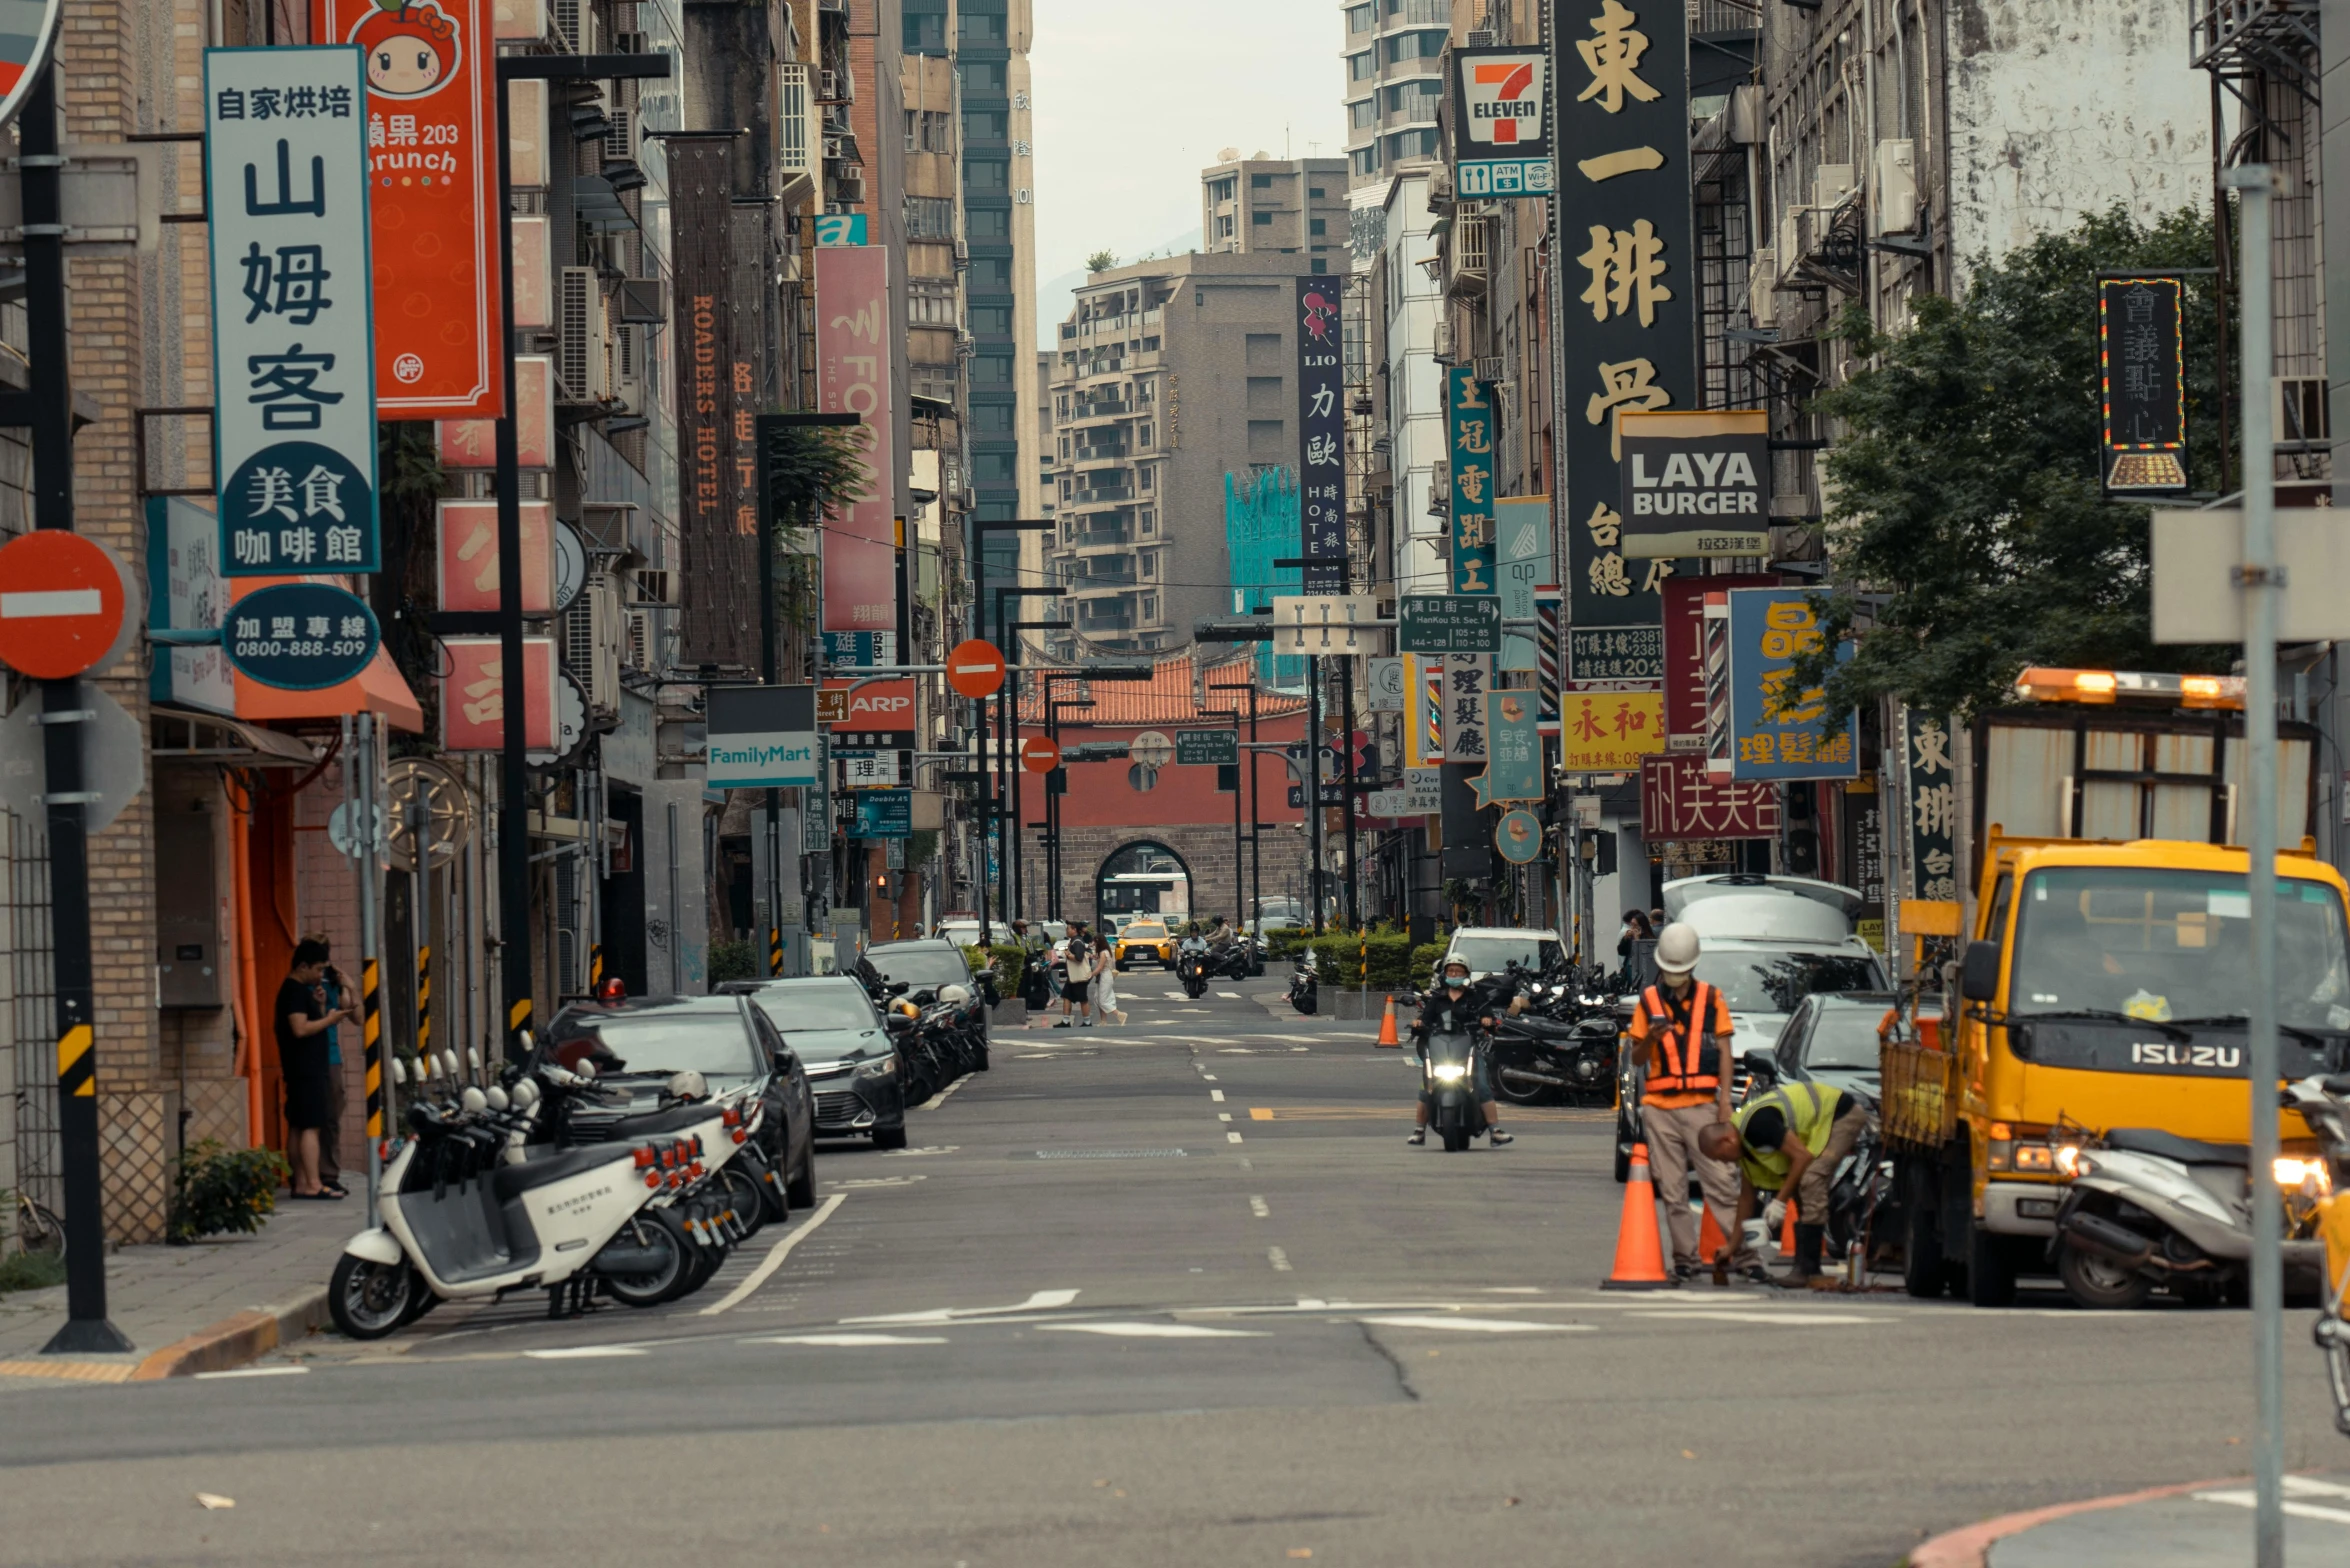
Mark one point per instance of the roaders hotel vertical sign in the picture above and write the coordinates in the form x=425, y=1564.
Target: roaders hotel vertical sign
x=432, y=165
x=1626, y=327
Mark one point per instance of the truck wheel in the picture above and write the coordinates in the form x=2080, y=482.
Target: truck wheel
x=1923, y=1273
x=1990, y=1269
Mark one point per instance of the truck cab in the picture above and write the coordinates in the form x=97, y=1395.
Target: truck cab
x=2105, y=980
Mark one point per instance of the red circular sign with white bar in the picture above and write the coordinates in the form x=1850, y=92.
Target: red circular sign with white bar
x=1039, y=755
x=61, y=603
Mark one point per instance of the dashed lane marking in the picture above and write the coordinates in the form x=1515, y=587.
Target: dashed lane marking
x=1261, y=1209
x=583, y=1353
x=1232, y=1137
x=1152, y=1330
x=1229, y=996
x=1217, y=1095
x=1278, y=1258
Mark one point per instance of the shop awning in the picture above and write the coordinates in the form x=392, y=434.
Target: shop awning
x=376, y=689
x=193, y=735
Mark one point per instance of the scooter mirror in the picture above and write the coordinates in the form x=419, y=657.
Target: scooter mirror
x=473, y=1058
x=586, y=1070
x=448, y=1064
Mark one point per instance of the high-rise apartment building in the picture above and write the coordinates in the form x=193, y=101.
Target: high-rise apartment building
x=1287, y=206
x=1393, y=82
x=1172, y=375
x=999, y=217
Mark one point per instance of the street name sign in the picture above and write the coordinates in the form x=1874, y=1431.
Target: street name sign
x=1449, y=623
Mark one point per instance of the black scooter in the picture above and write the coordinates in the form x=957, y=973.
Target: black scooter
x=1191, y=966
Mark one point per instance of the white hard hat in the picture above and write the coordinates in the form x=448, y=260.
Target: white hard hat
x=1676, y=949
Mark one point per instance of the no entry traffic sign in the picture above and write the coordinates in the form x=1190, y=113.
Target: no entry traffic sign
x=976, y=668
x=1039, y=755
x=61, y=611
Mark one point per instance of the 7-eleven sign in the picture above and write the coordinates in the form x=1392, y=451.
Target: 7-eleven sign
x=1502, y=101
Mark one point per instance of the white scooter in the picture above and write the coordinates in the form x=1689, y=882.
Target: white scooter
x=2148, y=1208
x=461, y=1218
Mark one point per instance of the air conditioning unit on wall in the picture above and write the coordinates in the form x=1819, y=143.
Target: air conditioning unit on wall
x=583, y=355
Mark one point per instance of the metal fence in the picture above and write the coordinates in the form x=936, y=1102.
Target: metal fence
x=28, y=1017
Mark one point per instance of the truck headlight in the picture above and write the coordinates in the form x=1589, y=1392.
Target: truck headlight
x=2309, y=1177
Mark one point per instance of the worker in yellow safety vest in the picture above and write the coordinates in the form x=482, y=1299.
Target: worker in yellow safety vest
x=1789, y=1142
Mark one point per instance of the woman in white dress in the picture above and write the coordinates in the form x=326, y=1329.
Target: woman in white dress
x=1105, y=991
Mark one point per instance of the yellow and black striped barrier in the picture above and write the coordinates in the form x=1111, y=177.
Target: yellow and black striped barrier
x=77, y=1071
x=424, y=1001
x=371, y=1034
x=774, y=951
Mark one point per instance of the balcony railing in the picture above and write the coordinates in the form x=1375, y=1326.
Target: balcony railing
x=1102, y=495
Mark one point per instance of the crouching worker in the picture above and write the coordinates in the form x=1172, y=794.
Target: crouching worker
x=1789, y=1142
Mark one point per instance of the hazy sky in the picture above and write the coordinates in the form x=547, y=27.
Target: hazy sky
x=1134, y=99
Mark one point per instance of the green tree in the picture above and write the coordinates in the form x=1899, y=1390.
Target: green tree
x=1101, y=261
x=810, y=467
x=1967, y=534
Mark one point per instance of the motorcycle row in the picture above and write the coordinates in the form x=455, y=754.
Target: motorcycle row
x=534, y=1181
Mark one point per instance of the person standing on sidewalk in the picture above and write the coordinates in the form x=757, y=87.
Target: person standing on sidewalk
x=302, y=1020
x=1076, y=994
x=1682, y=1031
x=334, y=993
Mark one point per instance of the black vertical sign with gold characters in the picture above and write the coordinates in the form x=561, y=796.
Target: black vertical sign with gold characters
x=1627, y=327
x=2142, y=384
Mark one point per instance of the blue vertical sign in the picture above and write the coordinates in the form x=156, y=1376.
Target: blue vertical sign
x=293, y=341
x=1521, y=543
x=1321, y=434
x=1468, y=409
x=1776, y=731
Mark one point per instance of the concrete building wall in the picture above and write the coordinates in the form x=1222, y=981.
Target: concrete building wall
x=1294, y=206
x=1412, y=307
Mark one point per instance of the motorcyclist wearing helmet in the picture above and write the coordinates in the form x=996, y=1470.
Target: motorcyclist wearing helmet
x=1449, y=1009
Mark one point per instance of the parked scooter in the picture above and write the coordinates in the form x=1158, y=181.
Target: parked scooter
x=1305, y=984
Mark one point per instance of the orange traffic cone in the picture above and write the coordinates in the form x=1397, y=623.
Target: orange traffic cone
x=1640, y=1254
x=1787, y=1232
x=1387, y=1035
x=1710, y=1240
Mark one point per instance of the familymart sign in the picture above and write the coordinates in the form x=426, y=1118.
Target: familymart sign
x=763, y=737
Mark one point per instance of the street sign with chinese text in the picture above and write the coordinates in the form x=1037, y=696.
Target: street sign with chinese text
x=714, y=350
x=1468, y=409
x=1321, y=435
x=853, y=376
x=1679, y=799
x=474, y=690
x=467, y=555
x=1929, y=806
x=1684, y=643
x=300, y=636
x=1776, y=731
x=2142, y=383
x=1467, y=677
x=1615, y=653
x=293, y=378
x=1513, y=749
x=432, y=140
x=1627, y=283
x=1501, y=137
x=1207, y=748
x=1448, y=623
x=1696, y=484
x=1610, y=731
x=860, y=650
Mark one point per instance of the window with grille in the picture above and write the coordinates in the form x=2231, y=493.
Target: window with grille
x=930, y=218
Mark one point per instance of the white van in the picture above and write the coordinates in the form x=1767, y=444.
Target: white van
x=1767, y=942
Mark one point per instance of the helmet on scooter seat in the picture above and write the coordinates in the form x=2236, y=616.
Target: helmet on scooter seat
x=1676, y=950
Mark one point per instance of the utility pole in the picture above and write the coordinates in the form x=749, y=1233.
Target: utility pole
x=1314, y=786
x=2260, y=580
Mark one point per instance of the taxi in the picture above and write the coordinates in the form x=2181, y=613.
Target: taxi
x=1146, y=937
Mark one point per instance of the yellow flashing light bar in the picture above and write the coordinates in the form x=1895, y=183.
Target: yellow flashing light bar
x=2041, y=684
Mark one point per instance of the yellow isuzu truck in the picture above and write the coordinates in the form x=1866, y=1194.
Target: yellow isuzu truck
x=2105, y=982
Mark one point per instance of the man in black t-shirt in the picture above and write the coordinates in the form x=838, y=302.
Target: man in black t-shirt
x=302, y=1019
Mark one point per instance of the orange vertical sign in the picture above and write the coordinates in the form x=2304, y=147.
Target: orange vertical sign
x=432, y=164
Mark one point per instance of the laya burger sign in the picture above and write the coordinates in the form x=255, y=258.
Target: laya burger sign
x=1696, y=484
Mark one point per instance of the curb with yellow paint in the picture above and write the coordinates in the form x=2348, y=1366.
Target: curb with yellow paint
x=221, y=1347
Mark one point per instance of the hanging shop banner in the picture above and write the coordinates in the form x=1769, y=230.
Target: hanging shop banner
x=2142, y=383
x=1501, y=128
x=762, y=736
x=293, y=388
x=718, y=531
x=1628, y=290
x=1423, y=718
x=1467, y=679
x=1778, y=732
x=884, y=813
x=1468, y=408
x=300, y=636
x=1684, y=600
x=852, y=358
x=1521, y=543
x=466, y=536
x=1929, y=786
x=1861, y=827
x=432, y=157
x=473, y=443
x=533, y=298
x=1321, y=434
x=473, y=695
x=1679, y=799
x=1513, y=749
x=1610, y=731
x=1696, y=484
x=1518, y=835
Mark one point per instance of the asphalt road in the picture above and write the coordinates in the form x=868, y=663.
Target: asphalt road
x=1176, y=1293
